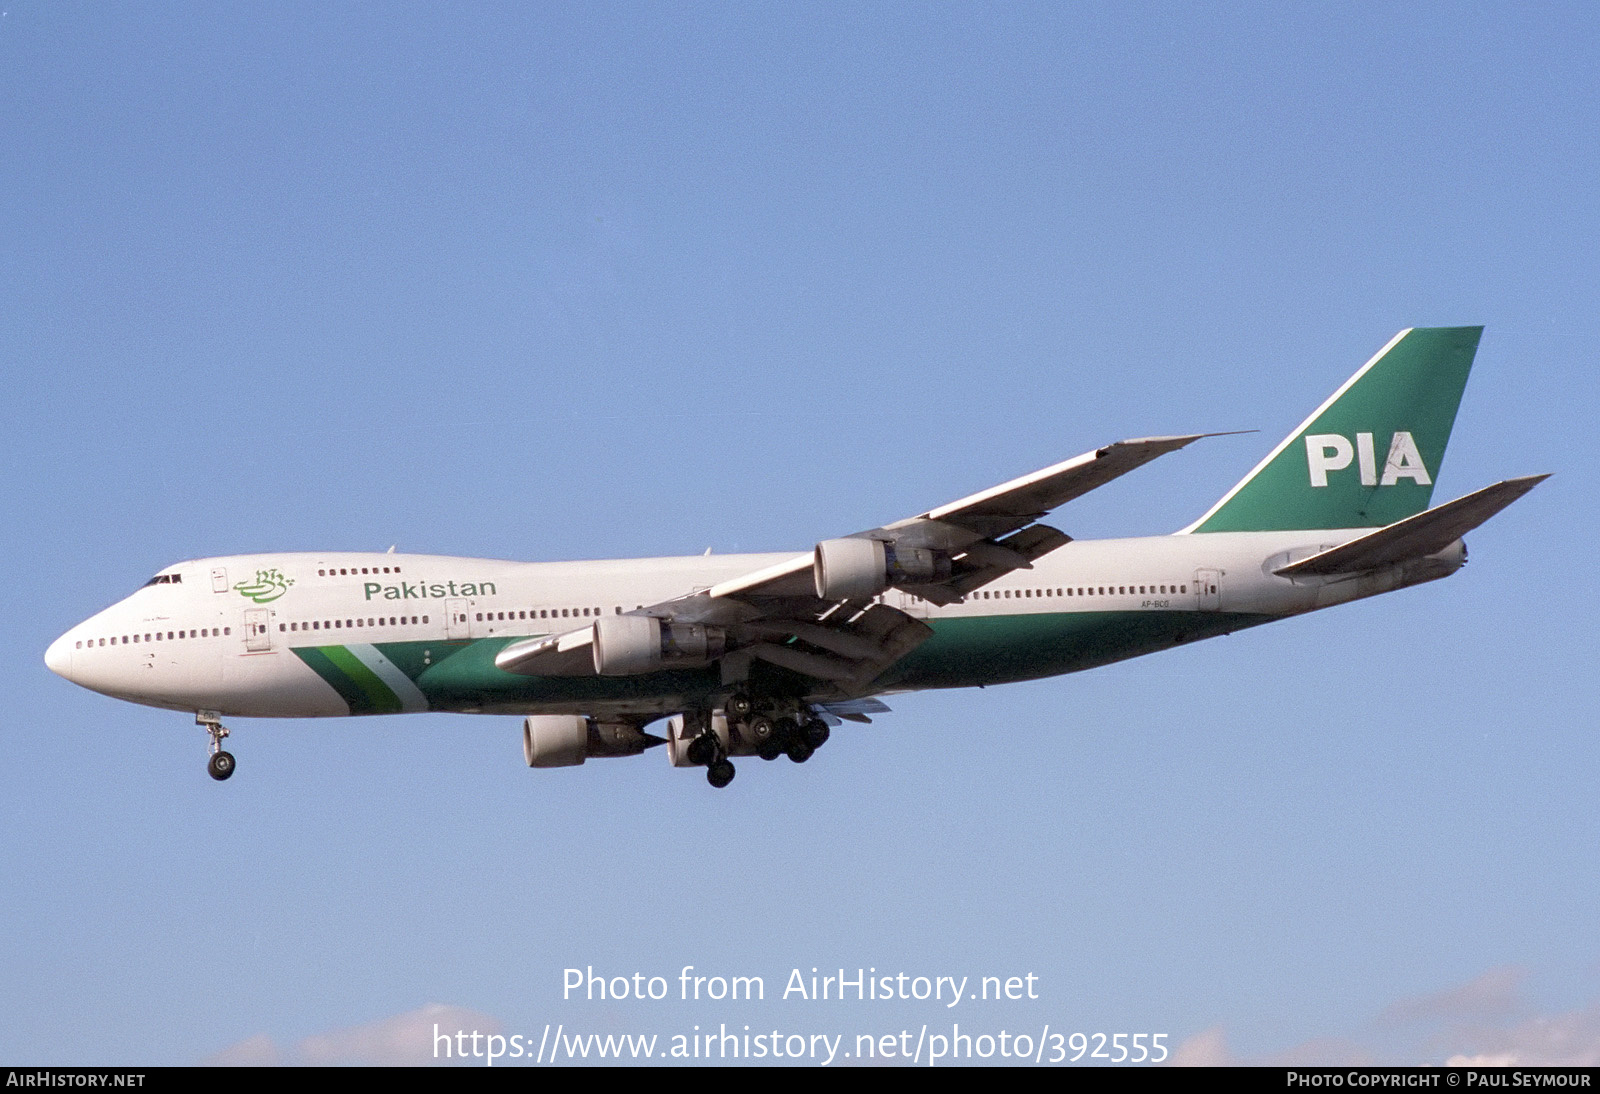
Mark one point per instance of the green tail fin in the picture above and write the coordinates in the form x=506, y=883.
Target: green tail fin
x=1370, y=454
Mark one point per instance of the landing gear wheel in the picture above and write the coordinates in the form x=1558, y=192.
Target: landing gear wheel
x=816, y=733
x=220, y=765
x=737, y=706
x=799, y=751
x=702, y=750
x=770, y=752
x=720, y=774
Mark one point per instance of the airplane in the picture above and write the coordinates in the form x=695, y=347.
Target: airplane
x=763, y=654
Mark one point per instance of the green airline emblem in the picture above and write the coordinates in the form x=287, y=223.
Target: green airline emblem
x=267, y=586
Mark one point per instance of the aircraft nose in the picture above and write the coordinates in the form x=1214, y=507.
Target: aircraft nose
x=58, y=658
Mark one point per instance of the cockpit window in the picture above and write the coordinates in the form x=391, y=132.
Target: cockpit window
x=165, y=579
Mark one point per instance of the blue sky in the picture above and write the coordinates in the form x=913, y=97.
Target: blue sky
x=551, y=282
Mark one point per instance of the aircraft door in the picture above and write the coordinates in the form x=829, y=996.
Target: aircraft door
x=457, y=620
x=1208, y=584
x=258, y=629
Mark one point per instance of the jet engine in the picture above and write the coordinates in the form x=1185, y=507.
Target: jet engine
x=626, y=645
x=566, y=740
x=858, y=569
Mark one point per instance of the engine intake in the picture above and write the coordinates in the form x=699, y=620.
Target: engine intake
x=555, y=740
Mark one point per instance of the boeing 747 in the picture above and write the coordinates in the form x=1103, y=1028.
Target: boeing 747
x=760, y=655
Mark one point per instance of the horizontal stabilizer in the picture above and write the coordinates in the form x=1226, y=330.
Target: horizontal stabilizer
x=1415, y=537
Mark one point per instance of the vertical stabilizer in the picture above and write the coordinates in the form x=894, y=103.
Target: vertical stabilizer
x=1368, y=456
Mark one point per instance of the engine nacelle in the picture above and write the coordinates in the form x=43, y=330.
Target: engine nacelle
x=555, y=740
x=566, y=740
x=859, y=569
x=627, y=645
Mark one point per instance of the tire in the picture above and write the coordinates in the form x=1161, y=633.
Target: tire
x=221, y=766
x=720, y=774
x=816, y=734
x=701, y=750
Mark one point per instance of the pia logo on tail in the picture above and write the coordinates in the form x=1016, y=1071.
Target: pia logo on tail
x=1327, y=452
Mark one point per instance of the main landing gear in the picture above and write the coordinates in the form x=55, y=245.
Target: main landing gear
x=221, y=763
x=771, y=730
x=708, y=750
x=745, y=726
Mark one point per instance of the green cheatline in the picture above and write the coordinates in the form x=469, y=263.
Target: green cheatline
x=356, y=684
x=962, y=652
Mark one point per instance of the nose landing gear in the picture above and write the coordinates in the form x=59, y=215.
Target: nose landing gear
x=221, y=764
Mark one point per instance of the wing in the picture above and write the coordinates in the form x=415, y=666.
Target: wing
x=819, y=615
x=987, y=534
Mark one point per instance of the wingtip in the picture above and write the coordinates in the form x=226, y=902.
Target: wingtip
x=1181, y=439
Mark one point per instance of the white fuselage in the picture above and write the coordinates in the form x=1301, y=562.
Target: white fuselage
x=222, y=634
